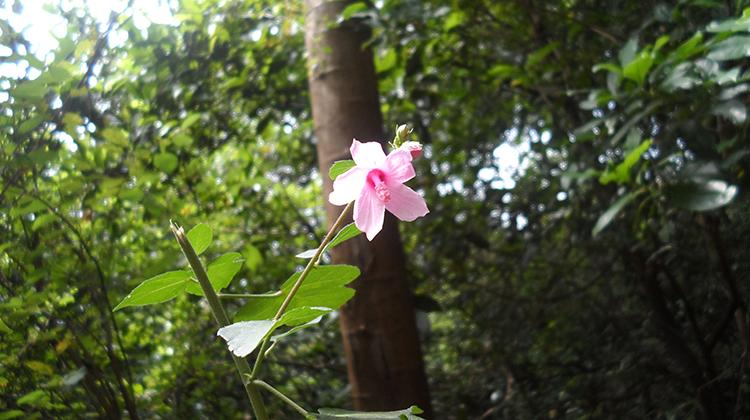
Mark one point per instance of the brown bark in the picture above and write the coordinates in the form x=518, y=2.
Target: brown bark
x=384, y=358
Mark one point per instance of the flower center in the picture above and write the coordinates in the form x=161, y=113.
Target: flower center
x=376, y=179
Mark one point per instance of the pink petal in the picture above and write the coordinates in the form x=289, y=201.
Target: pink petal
x=348, y=186
x=405, y=203
x=367, y=155
x=369, y=213
x=398, y=167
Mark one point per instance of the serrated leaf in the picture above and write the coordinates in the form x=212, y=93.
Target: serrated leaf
x=324, y=287
x=339, y=167
x=337, y=413
x=161, y=288
x=220, y=272
x=702, y=196
x=200, y=237
x=606, y=218
x=167, y=162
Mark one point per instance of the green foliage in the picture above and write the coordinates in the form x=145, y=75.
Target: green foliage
x=581, y=298
x=324, y=287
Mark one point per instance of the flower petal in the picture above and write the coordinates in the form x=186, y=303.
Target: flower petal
x=398, y=167
x=405, y=203
x=367, y=155
x=348, y=186
x=369, y=213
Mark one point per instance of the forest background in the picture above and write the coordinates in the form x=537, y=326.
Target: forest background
x=587, y=251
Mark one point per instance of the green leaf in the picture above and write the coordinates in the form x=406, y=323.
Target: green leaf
x=11, y=414
x=349, y=231
x=621, y=172
x=733, y=110
x=454, y=19
x=638, y=68
x=33, y=90
x=220, y=272
x=200, y=237
x=704, y=196
x=167, y=162
x=253, y=257
x=386, y=61
x=42, y=221
x=627, y=53
x=190, y=120
x=609, y=215
x=4, y=328
x=610, y=67
x=324, y=287
x=161, y=288
x=339, y=167
x=302, y=315
x=732, y=25
x=33, y=398
x=353, y=9
x=731, y=49
x=337, y=413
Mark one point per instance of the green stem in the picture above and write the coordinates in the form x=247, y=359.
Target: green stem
x=220, y=316
x=282, y=397
x=248, y=295
x=310, y=265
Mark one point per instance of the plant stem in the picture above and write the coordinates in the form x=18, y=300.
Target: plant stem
x=282, y=397
x=310, y=265
x=221, y=318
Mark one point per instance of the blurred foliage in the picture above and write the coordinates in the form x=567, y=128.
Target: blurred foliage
x=605, y=273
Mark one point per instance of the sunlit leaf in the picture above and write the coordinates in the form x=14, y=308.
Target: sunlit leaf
x=200, y=237
x=161, y=288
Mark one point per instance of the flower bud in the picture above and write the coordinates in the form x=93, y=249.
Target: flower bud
x=402, y=132
x=413, y=147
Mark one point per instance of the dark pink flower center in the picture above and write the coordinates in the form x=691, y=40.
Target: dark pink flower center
x=376, y=180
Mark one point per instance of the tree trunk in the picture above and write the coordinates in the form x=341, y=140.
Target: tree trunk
x=382, y=347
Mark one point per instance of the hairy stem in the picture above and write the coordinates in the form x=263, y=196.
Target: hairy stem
x=221, y=318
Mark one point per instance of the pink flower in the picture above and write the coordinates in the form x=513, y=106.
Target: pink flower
x=413, y=147
x=375, y=184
